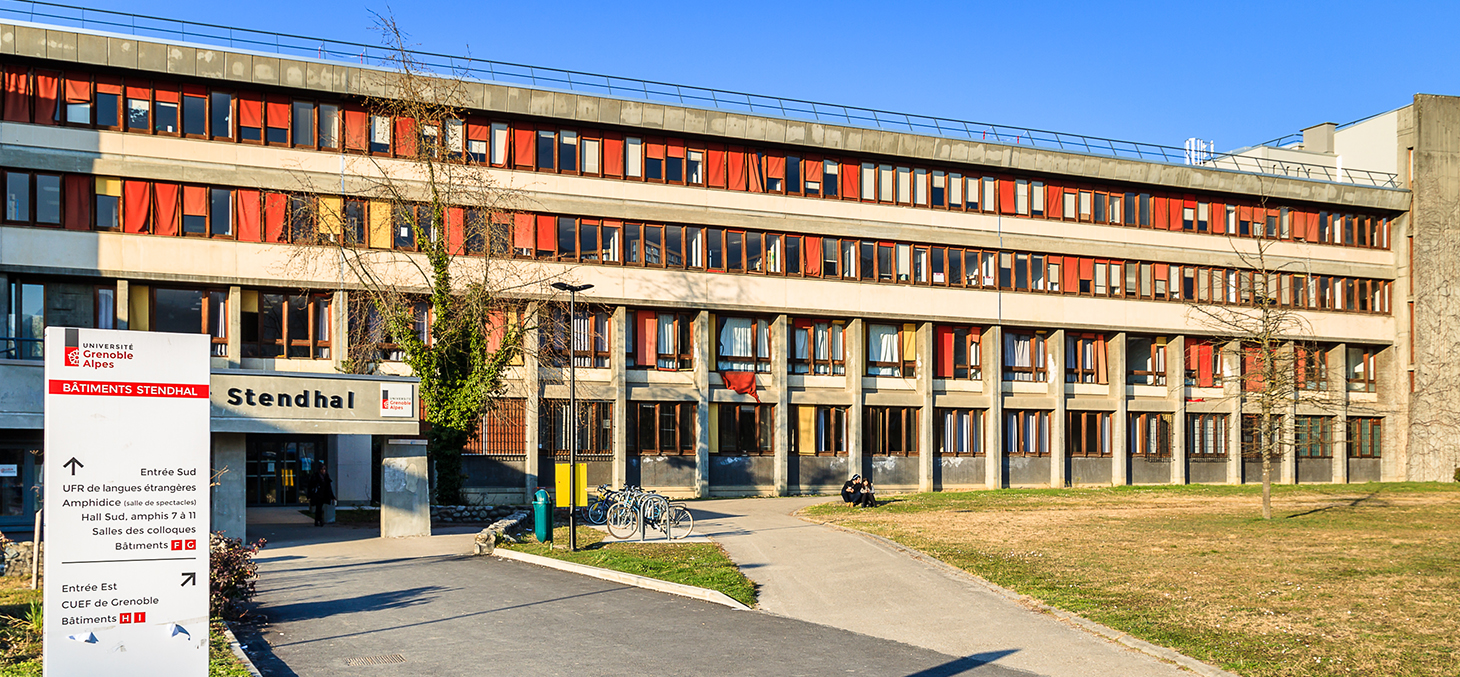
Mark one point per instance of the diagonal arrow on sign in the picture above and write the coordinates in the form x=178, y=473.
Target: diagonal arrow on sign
x=189, y=577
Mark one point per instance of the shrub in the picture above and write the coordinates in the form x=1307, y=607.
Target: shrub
x=232, y=577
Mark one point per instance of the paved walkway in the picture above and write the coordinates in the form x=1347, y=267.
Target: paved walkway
x=824, y=575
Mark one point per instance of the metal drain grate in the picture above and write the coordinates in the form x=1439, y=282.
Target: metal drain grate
x=374, y=660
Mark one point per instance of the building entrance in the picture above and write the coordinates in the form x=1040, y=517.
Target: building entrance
x=278, y=467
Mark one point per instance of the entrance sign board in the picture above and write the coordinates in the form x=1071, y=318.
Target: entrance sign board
x=126, y=503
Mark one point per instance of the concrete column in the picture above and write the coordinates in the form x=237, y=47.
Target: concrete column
x=1119, y=430
x=532, y=384
x=405, y=492
x=124, y=303
x=780, y=356
x=703, y=335
x=617, y=350
x=1338, y=394
x=927, y=455
x=1176, y=387
x=339, y=329
x=855, y=342
x=229, y=500
x=235, y=326
x=1232, y=392
x=351, y=468
x=1058, y=458
x=992, y=345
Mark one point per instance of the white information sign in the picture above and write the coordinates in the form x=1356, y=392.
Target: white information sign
x=126, y=503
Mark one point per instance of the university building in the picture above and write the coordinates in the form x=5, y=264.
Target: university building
x=779, y=300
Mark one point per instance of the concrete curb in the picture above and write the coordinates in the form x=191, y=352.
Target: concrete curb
x=691, y=591
x=238, y=653
x=1076, y=620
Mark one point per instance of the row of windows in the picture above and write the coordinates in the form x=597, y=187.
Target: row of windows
x=157, y=107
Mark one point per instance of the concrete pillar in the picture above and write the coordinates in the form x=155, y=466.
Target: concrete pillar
x=1176, y=387
x=1232, y=392
x=405, y=492
x=703, y=335
x=1059, y=418
x=1338, y=394
x=339, y=329
x=927, y=455
x=1119, y=431
x=124, y=304
x=235, y=327
x=229, y=500
x=617, y=349
x=992, y=345
x=855, y=342
x=780, y=356
x=351, y=467
x=532, y=385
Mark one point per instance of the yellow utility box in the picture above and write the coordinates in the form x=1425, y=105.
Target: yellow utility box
x=560, y=475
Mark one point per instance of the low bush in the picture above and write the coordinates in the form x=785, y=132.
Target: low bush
x=232, y=577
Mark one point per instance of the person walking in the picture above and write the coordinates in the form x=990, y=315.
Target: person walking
x=320, y=492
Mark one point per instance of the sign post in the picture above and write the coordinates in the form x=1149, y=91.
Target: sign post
x=126, y=503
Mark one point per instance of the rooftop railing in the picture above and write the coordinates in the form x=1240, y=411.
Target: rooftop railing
x=487, y=70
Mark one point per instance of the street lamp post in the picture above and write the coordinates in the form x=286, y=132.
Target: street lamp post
x=572, y=413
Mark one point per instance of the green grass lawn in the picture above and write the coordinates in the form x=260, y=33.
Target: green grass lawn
x=1360, y=579
x=702, y=564
x=20, y=646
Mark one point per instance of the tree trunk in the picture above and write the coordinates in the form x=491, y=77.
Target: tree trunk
x=443, y=447
x=1266, y=487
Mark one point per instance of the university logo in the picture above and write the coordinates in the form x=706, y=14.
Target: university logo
x=73, y=348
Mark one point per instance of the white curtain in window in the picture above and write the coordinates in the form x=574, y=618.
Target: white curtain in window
x=666, y=343
x=737, y=339
x=800, y=348
x=106, y=310
x=882, y=346
x=762, y=339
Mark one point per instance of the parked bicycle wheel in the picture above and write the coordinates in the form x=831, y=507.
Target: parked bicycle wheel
x=655, y=509
x=596, y=514
x=623, y=520
x=681, y=522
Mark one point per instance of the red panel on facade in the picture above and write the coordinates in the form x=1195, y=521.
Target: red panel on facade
x=274, y=204
x=812, y=251
x=523, y=137
x=250, y=225
x=547, y=233
x=1071, y=275
x=522, y=231
x=648, y=326
x=944, y=337
x=405, y=137
x=1159, y=218
x=716, y=168
x=737, y=159
x=136, y=206
x=1006, y=195
x=251, y=112
x=455, y=231
x=851, y=180
x=613, y=154
x=1054, y=203
x=78, y=202
x=165, y=214
x=357, y=129
x=1217, y=218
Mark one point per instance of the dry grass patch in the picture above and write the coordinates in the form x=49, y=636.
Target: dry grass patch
x=1345, y=580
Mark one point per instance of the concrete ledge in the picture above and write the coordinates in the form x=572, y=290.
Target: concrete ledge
x=691, y=591
x=238, y=652
x=1076, y=620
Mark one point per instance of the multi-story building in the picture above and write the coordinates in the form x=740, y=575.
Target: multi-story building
x=779, y=301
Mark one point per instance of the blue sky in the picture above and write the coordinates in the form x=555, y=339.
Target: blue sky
x=1233, y=72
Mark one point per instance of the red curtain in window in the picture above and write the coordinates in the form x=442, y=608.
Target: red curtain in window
x=195, y=201
x=716, y=168
x=277, y=113
x=1311, y=225
x=1217, y=217
x=943, y=337
x=654, y=148
x=1159, y=219
x=523, y=137
x=108, y=85
x=455, y=230
x=136, y=206
x=274, y=204
x=78, y=202
x=736, y=161
x=1100, y=366
x=167, y=92
x=1163, y=272
x=47, y=91
x=405, y=137
x=165, y=221
x=613, y=154
x=478, y=129
x=1244, y=213
x=1006, y=195
x=1071, y=275
x=1087, y=270
x=851, y=180
x=675, y=148
x=251, y=110
x=1251, y=370
x=1054, y=206
x=357, y=128
x=522, y=232
x=496, y=330
x=813, y=169
x=547, y=232
x=250, y=223
x=754, y=165
x=17, y=94
x=775, y=166
x=139, y=90
x=813, y=255
x=78, y=87
x=648, y=326
x=1205, y=376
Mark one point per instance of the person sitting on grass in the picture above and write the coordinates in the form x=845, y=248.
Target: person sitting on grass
x=867, y=497
x=852, y=490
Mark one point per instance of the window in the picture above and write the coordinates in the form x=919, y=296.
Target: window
x=817, y=347
x=960, y=432
x=660, y=340
x=1024, y=357
x=1087, y=434
x=304, y=125
x=1146, y=360
x=594, y=428
x=1362, y=377
x=192, y=311
x=546, y=149
x=1026, y=432
x=891, y=350
x=1311, y=365
x=891, y=431
x=743, y=344
x=1254, y=441
x=329, y=126
x=499, y=143
x=108, y=207
x=633, y=157
x=661, y=428
x=380, y=133
x=17, y=197
x=1150, y=435
x=589, y=330
x=819, y=431
x=295, y=326
x=744, y=429
x=591, y=152
x=32, y=198
x=25, y=321
x=957, y=352
x=1206, y=435
x=221, y=120
x=503, y=431
x=1314, y=436
x=1203, y=364
x=1365, y=437
x=139, y=110
x=220, y=211
x=1085, y=358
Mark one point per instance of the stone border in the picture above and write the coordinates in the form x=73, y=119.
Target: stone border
x=691, y=591
x=238, y=652
x=1111, y=634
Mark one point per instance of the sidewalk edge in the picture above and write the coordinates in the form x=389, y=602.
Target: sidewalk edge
x=237, y=650
x=1076, y=620
x=691, y=591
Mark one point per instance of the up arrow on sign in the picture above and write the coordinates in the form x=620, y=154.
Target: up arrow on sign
x=73, y=464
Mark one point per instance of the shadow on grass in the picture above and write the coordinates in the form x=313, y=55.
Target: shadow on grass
x=1354, y=503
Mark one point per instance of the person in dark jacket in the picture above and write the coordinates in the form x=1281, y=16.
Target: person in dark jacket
x=320, y=492
x=852, y=490
x=867, y=498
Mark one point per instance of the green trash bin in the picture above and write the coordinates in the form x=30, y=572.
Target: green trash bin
x=542, y=516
